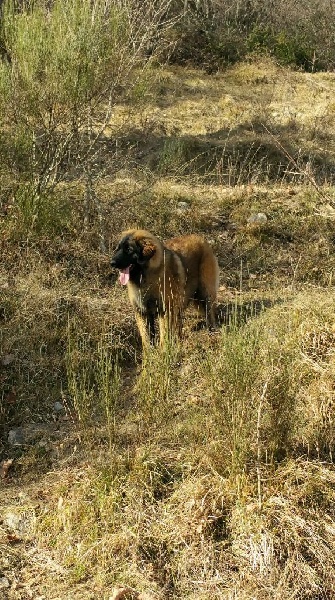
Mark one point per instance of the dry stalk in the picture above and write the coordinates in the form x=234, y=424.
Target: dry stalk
x=258, y=439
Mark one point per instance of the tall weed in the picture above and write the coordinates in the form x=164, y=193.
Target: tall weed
x=93, y=382
x=156, y=385
x=256, y=378
x=236, y=378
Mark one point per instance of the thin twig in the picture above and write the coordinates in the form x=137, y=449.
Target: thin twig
x=258, y=439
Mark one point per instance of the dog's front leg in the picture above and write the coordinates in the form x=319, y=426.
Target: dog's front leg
x=143, y=329
x=151, y=328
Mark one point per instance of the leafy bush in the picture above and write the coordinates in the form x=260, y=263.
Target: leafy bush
x=289, y=49
x=67, y=60
x=212, y=33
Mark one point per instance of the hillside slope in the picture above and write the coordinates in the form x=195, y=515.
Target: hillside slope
x=204, y=470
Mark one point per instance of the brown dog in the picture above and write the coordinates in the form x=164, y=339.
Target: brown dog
x=163, y=278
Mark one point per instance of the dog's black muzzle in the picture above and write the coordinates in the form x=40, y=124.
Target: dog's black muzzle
x=117, y=261
x=120, y=261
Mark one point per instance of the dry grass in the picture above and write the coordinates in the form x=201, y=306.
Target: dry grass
x=205, y=470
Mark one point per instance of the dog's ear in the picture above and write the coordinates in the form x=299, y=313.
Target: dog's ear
x=148, y=248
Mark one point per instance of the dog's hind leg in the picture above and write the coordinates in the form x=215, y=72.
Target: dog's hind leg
x=207, y=289
x=208, y=307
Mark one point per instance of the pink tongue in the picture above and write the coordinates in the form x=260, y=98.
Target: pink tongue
x=124, y=276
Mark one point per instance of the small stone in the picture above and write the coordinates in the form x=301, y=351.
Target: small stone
x=16, y=437
x=12, y=520
x=183, y=206
x=19, y=519
x=4, y=583
x=58, y=407
x=7, y=359
x=257, y=219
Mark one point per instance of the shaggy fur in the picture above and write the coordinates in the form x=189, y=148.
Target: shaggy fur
x=163, y=278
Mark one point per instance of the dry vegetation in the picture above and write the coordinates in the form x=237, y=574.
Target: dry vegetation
x=203, y=470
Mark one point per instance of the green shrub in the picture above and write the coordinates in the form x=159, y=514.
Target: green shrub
x=298, y=33
x=68, y=59
x=287, y=48
x=35, y=213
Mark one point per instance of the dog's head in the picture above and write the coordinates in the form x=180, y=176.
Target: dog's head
x=135, y=248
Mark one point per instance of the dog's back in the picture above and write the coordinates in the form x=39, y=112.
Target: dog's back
x=201, y=272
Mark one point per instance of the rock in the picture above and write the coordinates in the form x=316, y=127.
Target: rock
x=12, y=520
x=19, y=519
x=4, y=583
x=58, y=407
x=16, y=437
x=183, y=206
x=28, y=434
x=7, y=359
x=257, y=219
